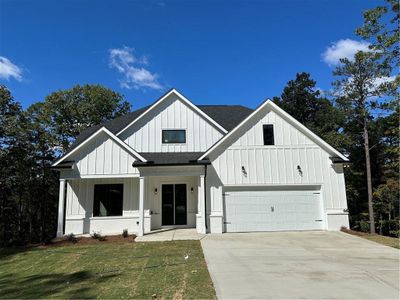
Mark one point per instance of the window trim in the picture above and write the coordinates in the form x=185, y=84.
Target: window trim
x=122, y=200
x=173, y=129
x=273, y=134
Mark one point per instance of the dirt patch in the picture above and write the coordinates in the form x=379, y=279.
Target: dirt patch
x=353, y=232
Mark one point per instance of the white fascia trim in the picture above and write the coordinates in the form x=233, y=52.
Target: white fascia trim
x=286, y=116
x=232, y=131
x=307, y=131
x=109, y=133
x=190, y=104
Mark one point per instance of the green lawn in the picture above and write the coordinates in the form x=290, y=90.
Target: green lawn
x=105, y=270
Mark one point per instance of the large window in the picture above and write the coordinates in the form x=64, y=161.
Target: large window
x=108, y=200
x=174, y=136
x=268, y=131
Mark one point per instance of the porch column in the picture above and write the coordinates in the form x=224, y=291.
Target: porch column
x=141, y=206
x=201, y=208
x=61, y=197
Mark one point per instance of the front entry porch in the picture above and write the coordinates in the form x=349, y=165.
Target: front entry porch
x=174, y=198
x=158, y=198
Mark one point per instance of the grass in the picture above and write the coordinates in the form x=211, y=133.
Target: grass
x=128, y=270
x=381, y=239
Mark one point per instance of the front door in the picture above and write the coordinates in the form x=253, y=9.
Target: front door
x=174, y=207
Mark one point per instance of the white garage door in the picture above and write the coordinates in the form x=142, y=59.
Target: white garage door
x=272, y=211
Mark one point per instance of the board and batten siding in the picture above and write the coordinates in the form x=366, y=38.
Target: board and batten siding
x=79, y=207
x=103, y=156
x=145, y=135
x=278, y=164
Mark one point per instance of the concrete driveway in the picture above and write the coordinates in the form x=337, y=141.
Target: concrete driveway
x=301, y=265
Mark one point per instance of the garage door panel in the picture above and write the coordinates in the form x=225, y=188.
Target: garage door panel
x=272, y=211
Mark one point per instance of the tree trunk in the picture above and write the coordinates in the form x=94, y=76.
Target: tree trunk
x=369, y=180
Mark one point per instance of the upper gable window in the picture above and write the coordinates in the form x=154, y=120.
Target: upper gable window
x=268, y=132
x=174, y=136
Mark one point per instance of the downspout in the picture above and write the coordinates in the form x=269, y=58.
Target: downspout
x=205, y=196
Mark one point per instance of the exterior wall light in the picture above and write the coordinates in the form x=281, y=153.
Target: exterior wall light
x=300, y=171
x=244, y=171
x=191, y=190
x=155, y=191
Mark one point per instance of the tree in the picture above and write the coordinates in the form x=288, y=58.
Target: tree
x=28, y=140
x=68, y=112
x=384, y=35
x=359, y=94
x=302, y=101
x=14, y=155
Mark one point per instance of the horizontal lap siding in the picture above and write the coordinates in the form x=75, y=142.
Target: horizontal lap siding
x=145, y=136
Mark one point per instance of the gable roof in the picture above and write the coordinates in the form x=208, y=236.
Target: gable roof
x=185, y=100
x=268, y=103
x=227, y=116
x=91, y=137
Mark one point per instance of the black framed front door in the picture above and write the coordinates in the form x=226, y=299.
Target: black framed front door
x=174, y=204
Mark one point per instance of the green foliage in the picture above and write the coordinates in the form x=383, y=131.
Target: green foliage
x=303, y=101
x=69, y=112
x=383, y=34
x=125, y=233
x=30, y=141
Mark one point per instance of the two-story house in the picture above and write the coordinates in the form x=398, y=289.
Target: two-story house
x=216, y=168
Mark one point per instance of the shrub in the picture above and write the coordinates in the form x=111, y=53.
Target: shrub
x=390, y=227
x=125, y=233
x=96, y=235
x=364, y=226
x=72, y=238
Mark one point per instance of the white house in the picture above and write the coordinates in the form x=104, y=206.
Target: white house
x=216, y=168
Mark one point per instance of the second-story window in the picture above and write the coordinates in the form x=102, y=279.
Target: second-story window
x=174, y=136
x=268, y=132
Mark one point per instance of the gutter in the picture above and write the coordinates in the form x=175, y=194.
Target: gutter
x=153, y=164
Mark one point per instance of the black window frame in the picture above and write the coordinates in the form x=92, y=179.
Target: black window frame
x=268, y=137
x=103, y=193
x=174, y=141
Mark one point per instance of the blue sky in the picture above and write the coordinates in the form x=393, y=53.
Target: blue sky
x=214, y=52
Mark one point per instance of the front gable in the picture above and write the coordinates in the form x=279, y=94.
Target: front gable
x=172, y=113
x=101, y=155
x=297, y=156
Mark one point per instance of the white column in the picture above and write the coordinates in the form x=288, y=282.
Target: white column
x=201, y=213
x=61, y=197
x=141, y=206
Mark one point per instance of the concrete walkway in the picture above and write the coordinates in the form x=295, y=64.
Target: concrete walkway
x=170, y=235
x=301, y=265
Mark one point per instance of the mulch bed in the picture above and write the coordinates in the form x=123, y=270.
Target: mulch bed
x=80, y=240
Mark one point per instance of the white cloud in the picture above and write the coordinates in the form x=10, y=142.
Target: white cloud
x=131, y=67
x=381, y=80
x=346, y=48
x=9, y=70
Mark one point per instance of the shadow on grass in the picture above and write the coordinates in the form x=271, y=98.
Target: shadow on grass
x=57, y=285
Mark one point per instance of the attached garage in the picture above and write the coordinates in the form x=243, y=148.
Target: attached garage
x=257, y=210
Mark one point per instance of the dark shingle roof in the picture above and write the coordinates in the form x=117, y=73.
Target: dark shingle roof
x=228, y=116
x=169, y=158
